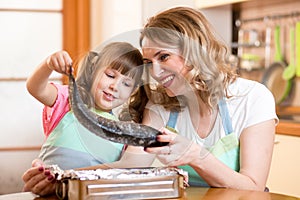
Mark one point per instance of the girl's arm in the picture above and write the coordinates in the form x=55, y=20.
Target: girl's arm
x=37, y=84
x=133, y=157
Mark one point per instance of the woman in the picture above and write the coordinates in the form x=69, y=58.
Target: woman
x=225, y=125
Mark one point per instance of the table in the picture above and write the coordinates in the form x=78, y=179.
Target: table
x=191, y=193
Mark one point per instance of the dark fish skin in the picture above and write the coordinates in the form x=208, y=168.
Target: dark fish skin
x=116, y=131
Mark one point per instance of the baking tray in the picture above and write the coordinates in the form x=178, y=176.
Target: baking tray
x=137, y=183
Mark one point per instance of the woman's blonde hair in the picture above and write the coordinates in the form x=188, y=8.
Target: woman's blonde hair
x=187, y=30
x=120, y=56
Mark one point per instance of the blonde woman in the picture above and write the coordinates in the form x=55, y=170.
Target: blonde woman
x=222, y=126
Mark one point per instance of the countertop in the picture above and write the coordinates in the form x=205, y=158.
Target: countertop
x=191, y=193
x=289, y=120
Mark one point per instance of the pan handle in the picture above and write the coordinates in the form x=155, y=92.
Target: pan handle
x=278, y=56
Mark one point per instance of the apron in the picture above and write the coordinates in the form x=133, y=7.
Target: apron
x=225, y=149
x=70, y=145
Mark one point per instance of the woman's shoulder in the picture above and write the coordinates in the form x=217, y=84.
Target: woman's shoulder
x=242, y=86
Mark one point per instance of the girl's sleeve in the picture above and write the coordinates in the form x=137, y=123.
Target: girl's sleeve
x=53, y=115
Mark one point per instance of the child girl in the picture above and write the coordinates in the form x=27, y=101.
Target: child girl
x=105, y=80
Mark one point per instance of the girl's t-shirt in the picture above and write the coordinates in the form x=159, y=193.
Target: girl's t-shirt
x=70, y=145
x=53, y=115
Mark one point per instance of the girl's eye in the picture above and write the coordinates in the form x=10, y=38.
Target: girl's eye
x=110, y=75
x=128, y=83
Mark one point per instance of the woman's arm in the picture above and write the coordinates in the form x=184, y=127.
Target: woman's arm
x=37, y=84
x=256, y=147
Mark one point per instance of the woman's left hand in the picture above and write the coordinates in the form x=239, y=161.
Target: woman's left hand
x=180, y=151
x=38, y=180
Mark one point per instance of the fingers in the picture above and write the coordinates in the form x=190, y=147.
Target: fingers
x=180, y=151
x=168, y=136
x=32, y=172
x=44, y=187
x=166, y=150
x=38, y=180
x=60, y=62
x=37, y=163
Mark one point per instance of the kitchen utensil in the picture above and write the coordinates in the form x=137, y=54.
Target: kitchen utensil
x=290, y=71
x=272, y=77
x=278, y=55
x=297, y=49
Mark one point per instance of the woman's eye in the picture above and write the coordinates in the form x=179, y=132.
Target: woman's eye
x=164, y=57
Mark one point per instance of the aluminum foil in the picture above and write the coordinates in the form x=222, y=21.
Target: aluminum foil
x=117, y=174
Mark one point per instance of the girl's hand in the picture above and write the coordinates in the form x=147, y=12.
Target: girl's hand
x=180, y=151
x=60, y=61
x=38, y=180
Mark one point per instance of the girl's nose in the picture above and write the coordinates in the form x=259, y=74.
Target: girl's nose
x=114, y=85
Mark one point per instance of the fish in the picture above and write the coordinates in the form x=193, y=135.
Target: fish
x=124, y=132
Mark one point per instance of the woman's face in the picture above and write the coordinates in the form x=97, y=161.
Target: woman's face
x=166, y=66
x=111, y=89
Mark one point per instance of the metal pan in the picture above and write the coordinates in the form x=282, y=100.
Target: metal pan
x=272, y=77
x=273, y=80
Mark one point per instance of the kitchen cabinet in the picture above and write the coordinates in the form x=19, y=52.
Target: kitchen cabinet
x=30, y=31
x=284, y=175
x=213, y=3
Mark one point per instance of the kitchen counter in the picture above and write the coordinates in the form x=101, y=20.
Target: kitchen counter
x=288, y=127
x=289, y=120
x=191, y=193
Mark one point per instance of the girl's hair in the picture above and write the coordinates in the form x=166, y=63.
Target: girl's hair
x=188, y=31
x=120, y=56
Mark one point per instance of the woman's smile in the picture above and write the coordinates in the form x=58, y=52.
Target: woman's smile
x=166, y=66
x=167, y=81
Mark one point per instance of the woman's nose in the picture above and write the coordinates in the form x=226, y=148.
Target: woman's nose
x=157, y=70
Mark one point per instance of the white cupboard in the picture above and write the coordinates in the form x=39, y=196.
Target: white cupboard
x=284, y=176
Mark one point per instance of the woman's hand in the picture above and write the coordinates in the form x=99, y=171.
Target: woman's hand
x=180, y=151
x=60, y=61
x=38, y=180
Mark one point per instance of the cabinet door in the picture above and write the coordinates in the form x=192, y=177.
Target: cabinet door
x=284, y=176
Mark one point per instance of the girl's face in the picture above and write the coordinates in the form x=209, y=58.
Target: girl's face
x=111, y=89
x=166, y=66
